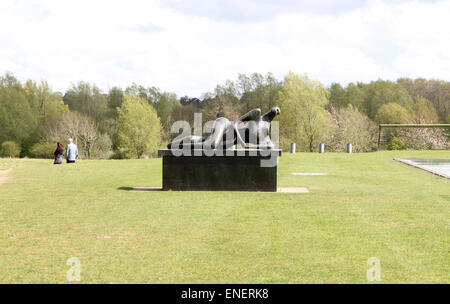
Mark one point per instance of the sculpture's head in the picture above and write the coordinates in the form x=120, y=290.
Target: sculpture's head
x=276, y=110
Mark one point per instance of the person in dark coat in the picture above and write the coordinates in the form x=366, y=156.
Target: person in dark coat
x=58, y=154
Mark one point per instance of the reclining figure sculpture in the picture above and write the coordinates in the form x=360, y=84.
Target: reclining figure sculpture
x=225, y=134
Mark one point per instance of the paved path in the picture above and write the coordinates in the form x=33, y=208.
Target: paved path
x=438, y=166
x=289, y=190
x=4, y=175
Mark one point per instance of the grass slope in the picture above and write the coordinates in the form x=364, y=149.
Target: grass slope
x=367, y=206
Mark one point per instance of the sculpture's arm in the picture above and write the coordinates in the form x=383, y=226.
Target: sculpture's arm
x=254, y=114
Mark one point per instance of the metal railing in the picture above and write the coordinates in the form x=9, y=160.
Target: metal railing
x=380, y=126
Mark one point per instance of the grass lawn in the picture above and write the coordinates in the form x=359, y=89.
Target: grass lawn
x=367, y=206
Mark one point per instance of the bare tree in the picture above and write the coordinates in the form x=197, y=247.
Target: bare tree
x=81, y=128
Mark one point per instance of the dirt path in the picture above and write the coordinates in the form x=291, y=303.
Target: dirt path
x=4, y=175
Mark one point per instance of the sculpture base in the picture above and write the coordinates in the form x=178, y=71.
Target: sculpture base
x=231, y=170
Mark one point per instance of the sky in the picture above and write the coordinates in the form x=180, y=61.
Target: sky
x=188, y=47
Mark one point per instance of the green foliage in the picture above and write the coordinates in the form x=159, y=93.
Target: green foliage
x=240, y=96
x=87, y=98
x=436, y=91
x=139, y=128
x=31, y=112
x=45, y=102
x=337, y=96
x=163, y=102
x=396, y=144
x=115, y=99
x=150, y=94
x=258, y=91
x=10, y=149
x=18, y=117
x=24, y=107
x=304, y=119
x=355, y=94
x=43, y=149
x=164, y=106
x=424, y=111
x=382, y=92
x=392, y=113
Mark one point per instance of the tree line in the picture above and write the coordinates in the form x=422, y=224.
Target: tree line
x=135, y=121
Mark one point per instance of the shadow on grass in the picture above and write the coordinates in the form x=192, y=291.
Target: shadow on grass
x=139, y=189
x=125, y=188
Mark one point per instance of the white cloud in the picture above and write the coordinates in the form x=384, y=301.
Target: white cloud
x=117, y=43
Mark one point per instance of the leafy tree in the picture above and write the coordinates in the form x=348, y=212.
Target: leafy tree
x=424, y=111
x=392, y=113
x=44, y=101
x=304, y=119
x=151, y=94
x=18, y=118
x=115, y=99
x=337, y=96
x=87, y=98
x=163, y=102
x=139, y=128
x=436, y=91
x=355, y=94
x=264, y=93
x=164, y=106
x=109, y=124
x=248, y=92
x=383, y=92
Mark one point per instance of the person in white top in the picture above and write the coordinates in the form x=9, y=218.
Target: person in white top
x=71, y=152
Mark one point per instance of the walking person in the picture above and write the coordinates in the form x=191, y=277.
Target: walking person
x=72, y=152
x=58, y=154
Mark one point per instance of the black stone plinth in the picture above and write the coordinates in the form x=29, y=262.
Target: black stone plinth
x=218, y=170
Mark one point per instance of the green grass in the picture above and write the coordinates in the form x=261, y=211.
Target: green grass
x=367, y=206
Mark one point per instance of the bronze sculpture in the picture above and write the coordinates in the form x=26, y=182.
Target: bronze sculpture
x=225, y=134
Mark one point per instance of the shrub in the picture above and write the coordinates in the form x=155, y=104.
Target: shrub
x=102, y=147
x=396, y=144
x=43, y=149
x=10, y=149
